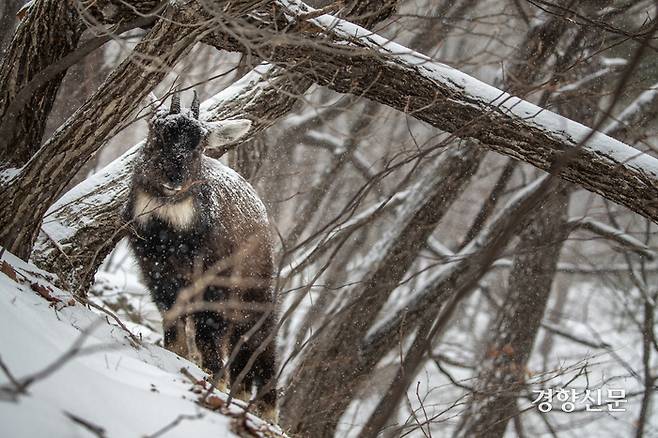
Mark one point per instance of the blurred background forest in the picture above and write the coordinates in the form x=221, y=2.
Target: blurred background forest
x=471, y=306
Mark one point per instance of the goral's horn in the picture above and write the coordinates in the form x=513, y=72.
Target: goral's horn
x=175, y=103
x=195, y=105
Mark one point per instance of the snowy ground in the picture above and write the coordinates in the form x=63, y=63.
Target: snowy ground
x=69, y=371
x=116, y=387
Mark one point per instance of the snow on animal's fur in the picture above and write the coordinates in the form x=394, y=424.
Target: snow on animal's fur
x=192, y=219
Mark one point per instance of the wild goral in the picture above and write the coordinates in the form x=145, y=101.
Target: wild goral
x=203, y=243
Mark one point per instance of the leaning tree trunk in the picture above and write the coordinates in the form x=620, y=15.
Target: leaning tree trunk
x=502, y=370
x=49, y=32
x=335, y=355
x=44, y=46
x=8, y=22
x=28, y=195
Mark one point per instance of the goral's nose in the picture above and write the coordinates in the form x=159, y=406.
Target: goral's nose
x=173, y=187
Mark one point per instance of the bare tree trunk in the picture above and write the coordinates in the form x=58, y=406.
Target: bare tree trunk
x=649, y=380
x=81, y=81
x=336, y=355
x=8, y=22
x=49, y=32
x=488, y=207
x=554, y=317
x=502, y=370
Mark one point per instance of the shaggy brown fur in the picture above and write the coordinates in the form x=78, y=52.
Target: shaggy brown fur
x=203, y=244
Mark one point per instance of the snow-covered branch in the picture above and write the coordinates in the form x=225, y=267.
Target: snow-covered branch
x=644, y=107
x=465, y=269
x=354, y=60
x=613, y=234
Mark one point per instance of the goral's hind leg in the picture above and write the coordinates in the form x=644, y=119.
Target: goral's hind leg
x=209, y=327
x=174, y=338
x=261, y=372
x=266, y=382
x=239, y=354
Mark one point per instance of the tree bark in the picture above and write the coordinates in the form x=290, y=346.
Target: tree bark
x=502, y=369
x=50, y=31
x=28, y=195
x=8, y=22
x=371, y=66
x=116, y=11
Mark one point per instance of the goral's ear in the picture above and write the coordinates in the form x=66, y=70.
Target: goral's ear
x=226, y=132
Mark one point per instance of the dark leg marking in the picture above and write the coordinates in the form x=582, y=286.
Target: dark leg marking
x=174, y=338
x=209, y=328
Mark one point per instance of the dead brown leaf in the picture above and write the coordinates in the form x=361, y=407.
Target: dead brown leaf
x=8, y=270
x=213, y=402
x=45, y=292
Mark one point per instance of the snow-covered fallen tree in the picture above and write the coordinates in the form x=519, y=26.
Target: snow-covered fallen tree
x=355, y=60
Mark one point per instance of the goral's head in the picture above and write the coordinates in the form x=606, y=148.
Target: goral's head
x=173, y=153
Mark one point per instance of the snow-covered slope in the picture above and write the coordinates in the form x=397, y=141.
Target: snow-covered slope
x=68, y=371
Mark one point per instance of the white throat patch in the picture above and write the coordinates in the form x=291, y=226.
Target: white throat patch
x=177, y=214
